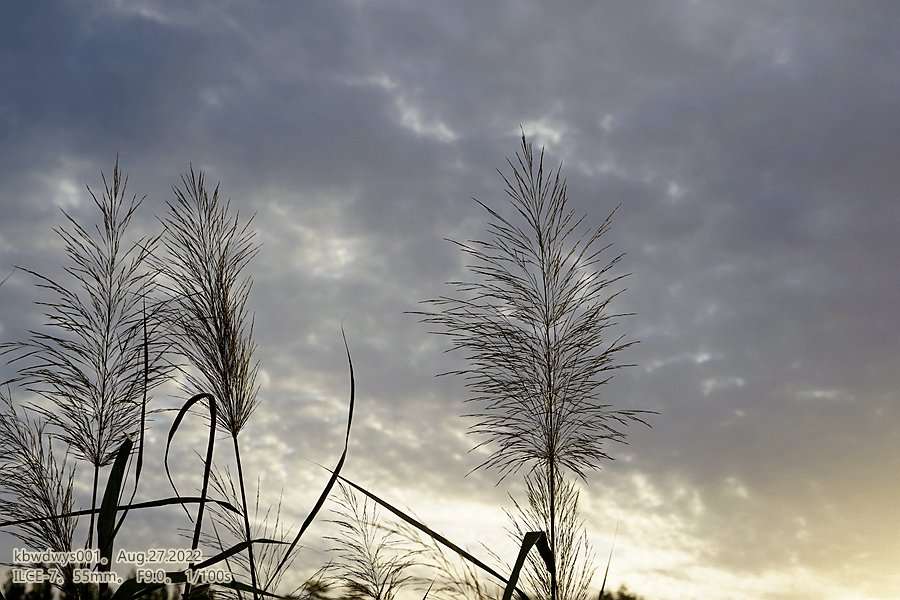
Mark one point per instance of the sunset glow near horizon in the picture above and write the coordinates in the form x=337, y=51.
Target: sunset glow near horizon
x=754, y=148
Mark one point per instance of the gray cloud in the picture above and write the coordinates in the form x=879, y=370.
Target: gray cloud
x=753, y=147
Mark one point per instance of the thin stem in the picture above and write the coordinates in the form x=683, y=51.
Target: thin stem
x=237, y=455
x=93, y=507
x=552, y=475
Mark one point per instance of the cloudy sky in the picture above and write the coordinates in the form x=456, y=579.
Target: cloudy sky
x=754, y=148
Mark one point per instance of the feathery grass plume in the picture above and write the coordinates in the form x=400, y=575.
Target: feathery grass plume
x=33, y=484
x=456, y=578
x=314, y=588
x=531, y=540
x=229, y=530
x=36, y=491
x=90, y=362
x=573, y=556
x=534, y=331
x=370, y=562
x=207, y=250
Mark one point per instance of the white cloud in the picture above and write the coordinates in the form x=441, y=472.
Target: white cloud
x=410, y=112
x=834, y=395
x=718, y=384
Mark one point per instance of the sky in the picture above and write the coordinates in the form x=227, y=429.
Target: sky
x=753, y=147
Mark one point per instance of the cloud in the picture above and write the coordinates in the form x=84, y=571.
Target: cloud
x=752, y=147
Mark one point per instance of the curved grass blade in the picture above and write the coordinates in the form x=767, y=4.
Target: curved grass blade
x=106, y=520
x=212, y=434
x=148, y=504
x=334, y=474
x=531, y=538
x=547, y=554
x=207, y=466
x=239, y=547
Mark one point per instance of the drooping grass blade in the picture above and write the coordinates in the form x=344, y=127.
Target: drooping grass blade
x=212, y=434
x=334, y=474
x=207, y=466
x=531, y=538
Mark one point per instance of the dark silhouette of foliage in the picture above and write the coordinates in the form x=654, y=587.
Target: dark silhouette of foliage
x=621, y=594
x=33, y=591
